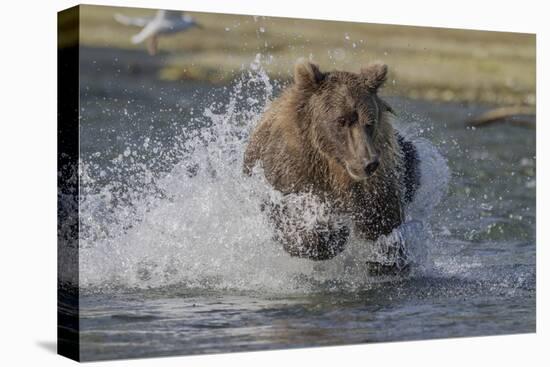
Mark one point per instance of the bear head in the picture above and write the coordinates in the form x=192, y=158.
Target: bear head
x=345, y=119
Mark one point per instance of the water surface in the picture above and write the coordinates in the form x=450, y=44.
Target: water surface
x=176, y=258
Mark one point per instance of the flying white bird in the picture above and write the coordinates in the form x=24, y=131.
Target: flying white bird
x=163, y=23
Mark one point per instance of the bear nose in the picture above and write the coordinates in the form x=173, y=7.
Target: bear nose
x=371, y=167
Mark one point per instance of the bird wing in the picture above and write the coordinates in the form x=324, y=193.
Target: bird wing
x=149, y=30
x=131, y=21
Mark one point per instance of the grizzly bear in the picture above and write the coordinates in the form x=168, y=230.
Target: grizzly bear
x=330, y=135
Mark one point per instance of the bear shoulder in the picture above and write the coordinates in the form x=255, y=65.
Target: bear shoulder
x=277, y=144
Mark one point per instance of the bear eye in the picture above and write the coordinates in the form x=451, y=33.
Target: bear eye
x=348, y=120
x=342, y=121
x=354, y=117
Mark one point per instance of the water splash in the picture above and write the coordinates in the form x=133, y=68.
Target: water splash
x=186, y=215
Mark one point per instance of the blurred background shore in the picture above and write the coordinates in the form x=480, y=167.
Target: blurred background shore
x=425, y=63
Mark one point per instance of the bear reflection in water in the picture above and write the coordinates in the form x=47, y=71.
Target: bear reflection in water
x=329, y=135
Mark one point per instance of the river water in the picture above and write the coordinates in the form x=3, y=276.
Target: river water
x=177, y=258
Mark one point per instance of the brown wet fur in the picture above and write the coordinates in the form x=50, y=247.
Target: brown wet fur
x=306, y=138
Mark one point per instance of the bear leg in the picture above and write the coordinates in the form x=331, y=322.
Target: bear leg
x=321, y=243
x=411, y=170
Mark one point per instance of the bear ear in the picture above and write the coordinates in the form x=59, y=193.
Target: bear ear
x=375, y=76
x=307, y=75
